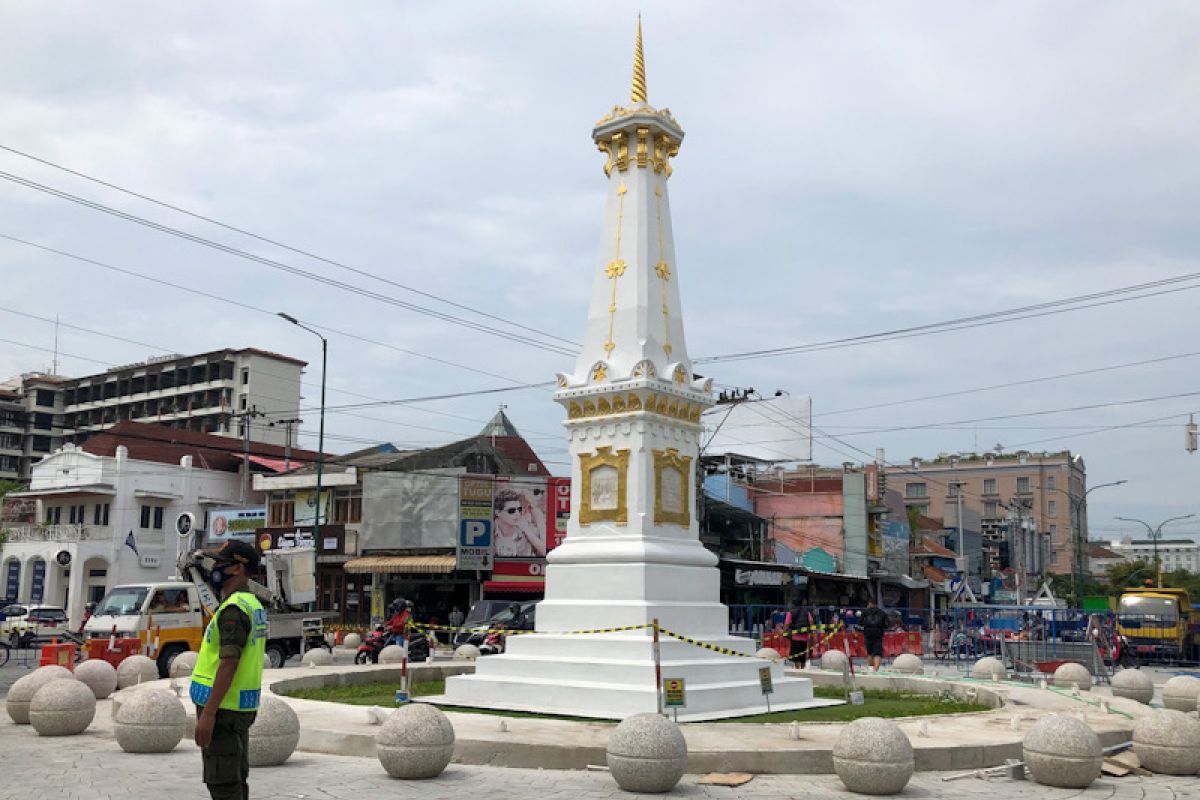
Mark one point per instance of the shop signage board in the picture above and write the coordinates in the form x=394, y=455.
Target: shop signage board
x=474, y=546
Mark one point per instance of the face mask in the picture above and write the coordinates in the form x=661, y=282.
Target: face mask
x=216, y=578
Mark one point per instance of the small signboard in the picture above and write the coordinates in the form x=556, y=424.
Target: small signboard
x=764, y=680
x=674, y=693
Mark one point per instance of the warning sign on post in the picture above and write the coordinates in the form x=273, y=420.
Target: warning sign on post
x=674, y=693
x=764, y=680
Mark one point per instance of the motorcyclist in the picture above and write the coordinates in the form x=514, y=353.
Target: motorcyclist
x=399, y=617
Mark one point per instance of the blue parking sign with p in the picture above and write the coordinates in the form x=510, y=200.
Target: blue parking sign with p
x=475, y=533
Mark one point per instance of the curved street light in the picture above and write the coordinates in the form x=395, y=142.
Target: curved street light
x=1155, y=534
x=1077, y=506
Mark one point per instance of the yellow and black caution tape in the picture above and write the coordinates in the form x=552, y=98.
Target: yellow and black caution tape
x=727, y=651
x=508, y=632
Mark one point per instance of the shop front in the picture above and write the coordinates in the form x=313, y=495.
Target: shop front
x=430, y=581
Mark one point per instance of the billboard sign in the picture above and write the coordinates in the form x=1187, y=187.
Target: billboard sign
x=306, y=506
x=38, y=587
x=474, y=547
x=524, y=523
x=236, y=523
x=560, y=496
x=775, y=429
x=12, y=581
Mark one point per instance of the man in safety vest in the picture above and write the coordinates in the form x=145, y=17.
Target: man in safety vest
x=227, y=679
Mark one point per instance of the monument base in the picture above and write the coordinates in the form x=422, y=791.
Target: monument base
x=612, y=676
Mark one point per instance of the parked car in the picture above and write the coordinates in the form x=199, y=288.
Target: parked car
x=25, y=624
x=493, y=613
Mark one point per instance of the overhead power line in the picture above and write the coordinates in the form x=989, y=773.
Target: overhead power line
x=288, y=268
x=282, y=245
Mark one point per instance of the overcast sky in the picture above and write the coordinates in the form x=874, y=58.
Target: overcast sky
x=849, y=168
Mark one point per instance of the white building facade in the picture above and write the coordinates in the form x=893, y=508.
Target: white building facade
x=1173, y=554
x=90, y=509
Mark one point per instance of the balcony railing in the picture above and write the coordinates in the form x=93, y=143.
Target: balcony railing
x=51, y=533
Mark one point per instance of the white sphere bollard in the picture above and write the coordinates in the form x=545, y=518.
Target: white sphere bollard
x=1063, y=751
x=135, y=670
x=98, y=675
x=415, y=742
x=352, y=641
x=1181, y=692
x=647, y=754
x=392, y=654
x=274, y=734
x=1070, y=675
x=183, y=664
x=1168, y=742
x=989, y=668
x=769, y=653
x=21, y=692
x=317, y=657
x=62, y=707
x=150, y=720
x=1133, y=684
x=909, y=664
x=266, y=660
x=466, y=652
x=873, y=756
x=834, y=661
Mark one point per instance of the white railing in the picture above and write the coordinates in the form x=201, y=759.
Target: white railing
x=49, y=533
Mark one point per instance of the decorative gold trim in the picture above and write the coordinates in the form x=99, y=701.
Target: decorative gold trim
x=638, y=93
x=680, y=374
x=635, y=403
x=643, y=147
x=588, y=462
x=603, y=407
x=615, y=268
x=604, y=146
x=599, y=373
x=617, y=404
x=574, y=410
x=589, y=408
x=622, y=146
x=663, y=270
x=670, y=459
x=628, y=111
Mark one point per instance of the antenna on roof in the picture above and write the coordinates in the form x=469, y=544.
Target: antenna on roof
x=54, y=363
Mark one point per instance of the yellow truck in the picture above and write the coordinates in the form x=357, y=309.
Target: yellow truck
x=1160, y=624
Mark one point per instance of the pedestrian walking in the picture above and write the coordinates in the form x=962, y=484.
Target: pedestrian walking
x=874, y=624
x=227, y=679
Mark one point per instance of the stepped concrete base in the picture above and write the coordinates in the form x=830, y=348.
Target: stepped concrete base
x=613, y=677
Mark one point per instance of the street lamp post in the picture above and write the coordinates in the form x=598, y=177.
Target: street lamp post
x=1078, y=505
x=320, y=451
x=1155, y=533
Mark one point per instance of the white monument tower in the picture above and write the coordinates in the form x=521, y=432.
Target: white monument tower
x=632, y=553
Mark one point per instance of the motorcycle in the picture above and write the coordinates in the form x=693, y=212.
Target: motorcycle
x=372, y=646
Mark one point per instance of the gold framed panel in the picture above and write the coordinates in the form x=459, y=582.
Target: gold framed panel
x=604, y=459
x=675, y=510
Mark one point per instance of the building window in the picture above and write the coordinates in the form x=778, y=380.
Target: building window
x=281, y=513
x=1022, y=485
x=915, y=490
x=53, y=515
x=242, y=403
x=1053, y=531
x=1052, y=508
x=45, y=398
x=1051, y=482
x=100, y=514
x=991, y=509
x=158, y=518
x=78, y=514
x=245, y=376
x=145, y=520
x=989, y=485
x=347, y=509
x=953, y=488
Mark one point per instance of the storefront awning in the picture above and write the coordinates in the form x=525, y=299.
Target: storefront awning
x=440, y=565
x=515, y=587
x=904, y=581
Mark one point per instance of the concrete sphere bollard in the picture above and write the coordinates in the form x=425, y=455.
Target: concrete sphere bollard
x=989, y=667
x=466, y=652
x=21, y=692
x=266, y=660
x=1071, y=674
x=1133, y=684
x=150, y=721
x=352, y=640
x=392, y=654
x=1168, y=742
x=769, y=653
x=647, y=754
x=909, y=664
x=416, y=741
x=834, y=661
x=135, y=670
x=62, y=707
x=1064, y=752
x=274, y=734
x=873, y=756
x=183, y=664
x=1181, y=692
x=98, y=675
x=317, y=657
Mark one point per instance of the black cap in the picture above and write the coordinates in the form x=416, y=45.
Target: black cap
x=232, y=551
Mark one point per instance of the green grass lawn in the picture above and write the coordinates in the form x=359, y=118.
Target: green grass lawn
x=879, y=703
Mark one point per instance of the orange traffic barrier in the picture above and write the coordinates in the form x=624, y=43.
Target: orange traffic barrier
x=62, y=655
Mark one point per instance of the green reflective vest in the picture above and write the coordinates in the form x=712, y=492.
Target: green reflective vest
x=244, y=692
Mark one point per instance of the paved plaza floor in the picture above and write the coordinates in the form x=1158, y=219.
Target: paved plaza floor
x=93, y=767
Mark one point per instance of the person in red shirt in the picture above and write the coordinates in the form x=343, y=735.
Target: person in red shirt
x=398, y=622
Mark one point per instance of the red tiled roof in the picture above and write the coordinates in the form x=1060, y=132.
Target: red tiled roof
x=167, y=445
x=928, y=547
x=1100, y=551
x=521, y=454
x=934, y=574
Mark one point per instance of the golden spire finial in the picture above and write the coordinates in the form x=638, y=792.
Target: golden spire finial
x=638, y=95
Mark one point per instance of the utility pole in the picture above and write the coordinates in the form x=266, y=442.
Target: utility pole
x=247, y=417
x=287, y=442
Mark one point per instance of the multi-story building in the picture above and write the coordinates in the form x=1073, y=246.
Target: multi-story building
x=1173, y=554
x=209, y=393
x=1039, y=493
x=30, y=422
